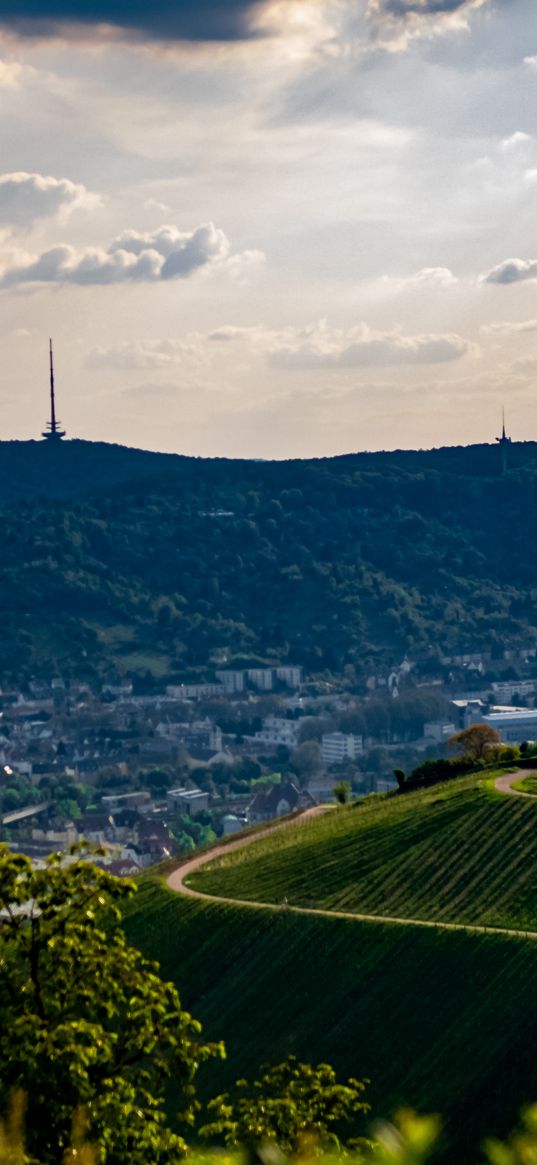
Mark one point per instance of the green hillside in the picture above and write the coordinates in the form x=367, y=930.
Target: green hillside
x=459, y=852
x=166, y=565
x=440, y=1020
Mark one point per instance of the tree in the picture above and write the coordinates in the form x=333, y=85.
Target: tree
x=85, y=1021
x=291, y=1101
x=476, y=742
x=342, y=792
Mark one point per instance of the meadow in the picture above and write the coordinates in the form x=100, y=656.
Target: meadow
x=460, y=852
x=438, y=1020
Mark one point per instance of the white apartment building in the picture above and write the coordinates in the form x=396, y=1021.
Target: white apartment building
x=277, y=730
x=291, y=676
x=232, y=681
x=506, y=689
x=340, y=746
x=261, y=677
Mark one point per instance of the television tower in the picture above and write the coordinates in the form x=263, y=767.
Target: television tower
x=504, y=443
x=53, y=431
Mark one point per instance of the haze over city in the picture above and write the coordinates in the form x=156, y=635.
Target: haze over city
x=283, y=229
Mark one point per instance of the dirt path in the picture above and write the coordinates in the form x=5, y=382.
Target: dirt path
x=178, y=881
x=505, y=784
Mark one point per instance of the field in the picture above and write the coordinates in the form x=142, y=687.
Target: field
x=459, y=852
x=527, y=784
x=439, y=1020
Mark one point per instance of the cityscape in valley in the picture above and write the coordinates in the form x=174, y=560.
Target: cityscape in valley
x=146, y=776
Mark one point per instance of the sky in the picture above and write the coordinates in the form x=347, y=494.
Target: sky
x=288, y=228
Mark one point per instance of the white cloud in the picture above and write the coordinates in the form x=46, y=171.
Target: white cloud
x=10, y=74
x=25, y=198
x=426, y=277
x=395, y=23
x=508, y=327
x=319, y=346
x=165, y=254
x=511, y=271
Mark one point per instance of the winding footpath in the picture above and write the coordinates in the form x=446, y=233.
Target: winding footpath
x=178, y=879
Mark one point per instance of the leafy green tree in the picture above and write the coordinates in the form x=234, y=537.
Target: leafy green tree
x=85, y=1021
x=292, y=1101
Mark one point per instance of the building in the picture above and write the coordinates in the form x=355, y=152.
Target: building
x=124, y=800
x=439, y=731
x=514, y=726
x=187, y=802
x=337, y=747
x=262, y=678
x=505, y=690
x=232, y=681
x=277, y=730
x=277, y=801
x=194, y=691
x=289, y=675
x=232, y=824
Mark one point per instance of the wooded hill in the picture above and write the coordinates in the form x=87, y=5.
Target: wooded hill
x=122, y=561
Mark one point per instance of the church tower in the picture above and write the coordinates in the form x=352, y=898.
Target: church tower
x=53, y=431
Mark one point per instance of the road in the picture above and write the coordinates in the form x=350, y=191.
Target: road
x=178, y=880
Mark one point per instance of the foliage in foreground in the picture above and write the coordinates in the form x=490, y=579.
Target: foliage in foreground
x=85, y=1020
x=289, y=1102
x=410, y=1140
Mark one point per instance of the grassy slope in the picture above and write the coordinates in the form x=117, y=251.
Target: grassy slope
x=460, y=853
x=442, y=1021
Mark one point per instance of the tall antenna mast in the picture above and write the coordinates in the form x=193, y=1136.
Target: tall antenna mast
x=53, y=431
x=504, y=442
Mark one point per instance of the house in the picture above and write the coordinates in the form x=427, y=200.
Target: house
x=278, y=800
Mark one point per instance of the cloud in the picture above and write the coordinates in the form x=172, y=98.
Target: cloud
x=319, y=346
x=396, y=22
x=147, y=354
x=164, y=254
x=516, y=141
x=511, y=271
x=376, y=351
x=426, y=277
x=508, y=327
x=24, y=198
x=166, y=20
x=10, y=74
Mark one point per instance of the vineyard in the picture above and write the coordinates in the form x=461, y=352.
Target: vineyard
x=459, y=853
x=439, y=1020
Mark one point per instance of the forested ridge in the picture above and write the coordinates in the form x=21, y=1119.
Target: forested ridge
x=119, y=560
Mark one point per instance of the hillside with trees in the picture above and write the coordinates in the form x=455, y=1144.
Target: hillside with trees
x=161, y=566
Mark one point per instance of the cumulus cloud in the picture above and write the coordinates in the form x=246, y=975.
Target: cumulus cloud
x=396, y=22
x=166, y=253
x=24, y=198
x=191, y=20
x=319, y=346
x=426, y=277
x=511, y=271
